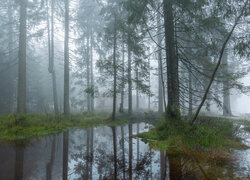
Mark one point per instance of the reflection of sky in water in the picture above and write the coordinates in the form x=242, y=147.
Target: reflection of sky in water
x=146, y=163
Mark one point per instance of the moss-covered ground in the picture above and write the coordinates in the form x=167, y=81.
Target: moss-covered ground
x=210, y=140
x=19, y=127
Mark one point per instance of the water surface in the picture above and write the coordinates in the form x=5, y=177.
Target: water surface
x=104, y=153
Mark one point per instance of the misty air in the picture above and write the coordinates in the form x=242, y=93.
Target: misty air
x=124, y=89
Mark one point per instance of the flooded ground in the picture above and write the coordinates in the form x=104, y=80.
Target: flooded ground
x=107, y=153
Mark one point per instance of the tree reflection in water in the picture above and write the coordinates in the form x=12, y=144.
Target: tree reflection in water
x=101, y=153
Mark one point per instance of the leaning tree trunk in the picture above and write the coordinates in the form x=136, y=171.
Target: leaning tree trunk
x=66, y=60
x=173, y=108
x=21, y=96
x=226, y=89
x=217, y=65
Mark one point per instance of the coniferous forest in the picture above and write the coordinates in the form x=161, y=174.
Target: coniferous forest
x=124, y=89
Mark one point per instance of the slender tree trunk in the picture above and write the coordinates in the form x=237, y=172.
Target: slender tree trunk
x=217, y=65
x=88, y=74
x=115, y=74
x=21, y=100
x=129, y=79
x=51, y=54
x=123, y=76
x=55, y=98
x=11, y=56
x=190, y=98
x=149, y=84
x=226, y=91
x=137, y=90
x=160, y=84
x=66, y=60
x=91, y=70
x=172, y=61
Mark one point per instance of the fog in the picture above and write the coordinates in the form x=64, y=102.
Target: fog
x=115, y=56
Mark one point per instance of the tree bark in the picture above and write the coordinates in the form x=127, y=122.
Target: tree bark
x=123, y=76
x=88, y=73
x=66, y=60
x=129, y=79
x=11, y=55
x=115, y=73
x=21, y=100
x=137, y=90
x=160, y=84
x=173, y=108
x=190, y=98
x=226, y=89
x=91, y=69
x=149, y=84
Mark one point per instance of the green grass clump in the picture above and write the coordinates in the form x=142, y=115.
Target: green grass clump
x=22, y=126
x=207, y=133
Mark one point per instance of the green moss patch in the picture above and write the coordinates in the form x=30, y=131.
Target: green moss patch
x=17, y=127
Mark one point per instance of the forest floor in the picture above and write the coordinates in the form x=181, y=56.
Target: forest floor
x=210, y=141
x=20, y=127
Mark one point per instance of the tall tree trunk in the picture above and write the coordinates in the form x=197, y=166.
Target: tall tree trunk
x=91, y=69
x=11, y=54
x=160, y=75
x=21, y=100
x=123, y=76
x=172, y=61
x=129, y=79
x=55, y=98
x=88, y=73
x=115, y=73
x=66, y=60
x=226, y=91
x=51, y=54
